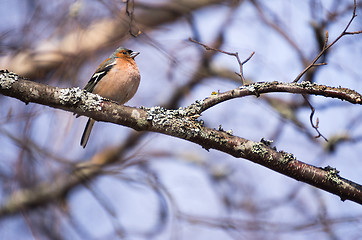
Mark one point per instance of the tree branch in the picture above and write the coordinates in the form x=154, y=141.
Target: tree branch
x=326, y=47
x=179, y=123
x=235, y=54
x=269, y=87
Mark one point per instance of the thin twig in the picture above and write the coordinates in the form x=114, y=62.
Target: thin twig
x=235, y=54
x=241, y=65
x=326, y=47
x=130, y=13
x=316, y=126
x=320, y=64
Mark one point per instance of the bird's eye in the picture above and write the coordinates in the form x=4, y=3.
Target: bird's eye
x=124, y=52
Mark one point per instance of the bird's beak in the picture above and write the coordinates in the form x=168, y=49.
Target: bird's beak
x=134, y=54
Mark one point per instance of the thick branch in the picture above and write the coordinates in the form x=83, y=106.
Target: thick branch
x=181, y=124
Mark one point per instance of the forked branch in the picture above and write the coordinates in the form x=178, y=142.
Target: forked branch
x=326, y=46
x=235, y=54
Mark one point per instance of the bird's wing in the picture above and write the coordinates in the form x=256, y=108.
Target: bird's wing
x=102, y=70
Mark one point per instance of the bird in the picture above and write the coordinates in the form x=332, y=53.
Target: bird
x=117, y=78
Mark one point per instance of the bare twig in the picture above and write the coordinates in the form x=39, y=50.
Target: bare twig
x=315, y=126
x=320, y=64
x=326, y=47
x=235, y=54
x=130, y=14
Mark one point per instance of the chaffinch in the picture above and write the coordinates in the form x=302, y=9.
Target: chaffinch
x=117, y=79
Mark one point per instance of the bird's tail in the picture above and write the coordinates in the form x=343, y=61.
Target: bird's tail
x=87, y=132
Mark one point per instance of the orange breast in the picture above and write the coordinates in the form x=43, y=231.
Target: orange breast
x=120, y=85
